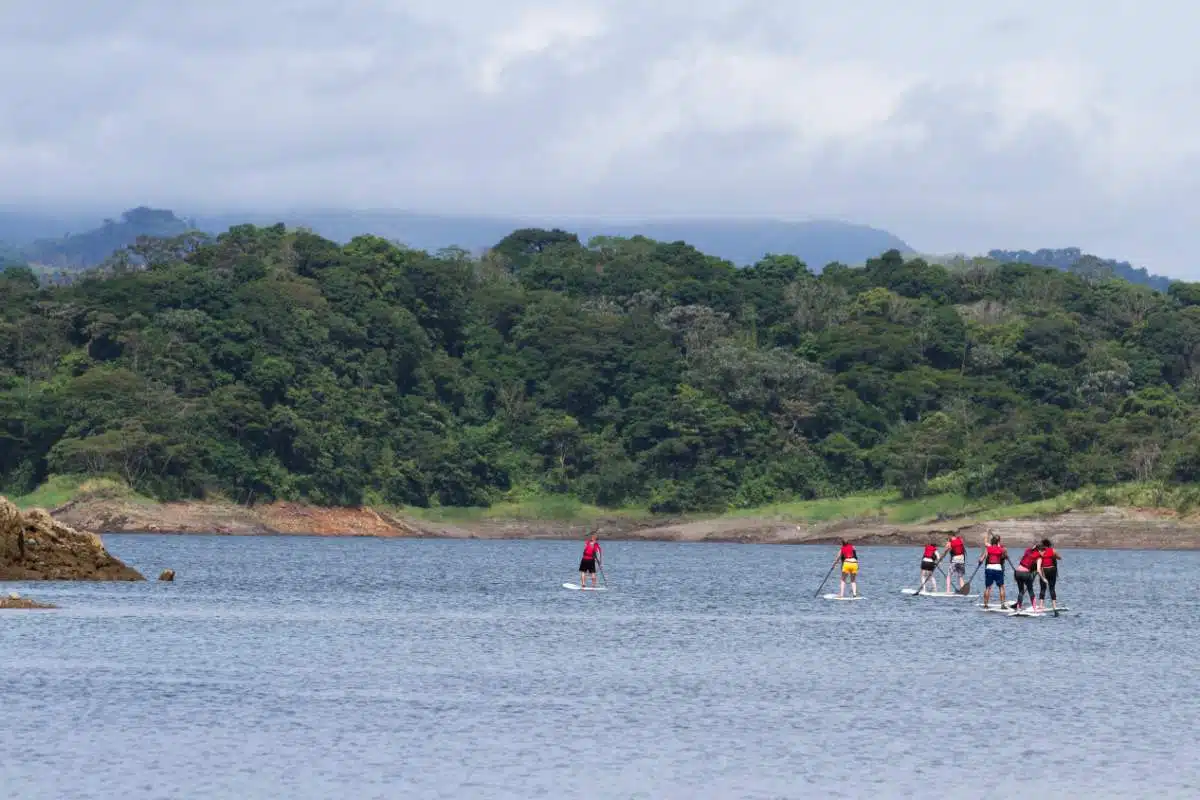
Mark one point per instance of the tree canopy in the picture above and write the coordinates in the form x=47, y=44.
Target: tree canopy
x=269, y=363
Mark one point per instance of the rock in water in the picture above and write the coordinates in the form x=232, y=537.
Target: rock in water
x=23, y=603
x=36, y=547
x=167, y=575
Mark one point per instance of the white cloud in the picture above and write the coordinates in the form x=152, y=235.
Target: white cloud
x=958, y=126
x=551, y=30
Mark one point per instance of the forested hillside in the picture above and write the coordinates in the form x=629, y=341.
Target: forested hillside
x=276, y=364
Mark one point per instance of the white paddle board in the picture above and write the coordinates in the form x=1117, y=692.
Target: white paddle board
x=579, y=588
x=936, y=594
x=847, y=597
x=1027, y=612
x=996, y=608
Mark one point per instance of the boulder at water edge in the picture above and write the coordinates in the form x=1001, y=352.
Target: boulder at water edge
x=36, y=547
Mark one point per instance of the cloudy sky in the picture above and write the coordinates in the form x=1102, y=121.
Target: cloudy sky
x=957, y=126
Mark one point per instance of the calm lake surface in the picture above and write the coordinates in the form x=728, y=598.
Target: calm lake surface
x=362, y=668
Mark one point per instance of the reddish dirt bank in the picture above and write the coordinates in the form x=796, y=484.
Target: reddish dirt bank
x=121, y=516
x=1098, y=528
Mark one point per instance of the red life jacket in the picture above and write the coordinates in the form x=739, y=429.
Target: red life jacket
x=930, y=553
x=1030, y=558
x=848, y=552
x=590, y=549
x=956, y=547
x=1049, y=559
x=995, y=554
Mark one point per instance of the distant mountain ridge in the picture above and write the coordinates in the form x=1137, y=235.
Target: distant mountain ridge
x=1072, y=259
x=816, y=242
x=87, y=249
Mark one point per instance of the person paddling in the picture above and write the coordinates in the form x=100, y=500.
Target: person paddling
x=1048, y=574
x=957, y=550
x=1023, y=574
x=849, y=558
x=929, y=562
x=591, y=557
x=995, y=554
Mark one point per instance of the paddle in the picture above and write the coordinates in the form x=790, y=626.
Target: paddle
x=921, y=588
x=937, y=564
x=827, y=574
x=966, y=587
x=603, y=579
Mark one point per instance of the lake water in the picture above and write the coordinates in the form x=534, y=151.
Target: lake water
x=365, y=668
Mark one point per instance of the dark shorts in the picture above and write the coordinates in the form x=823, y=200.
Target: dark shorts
x=587, y=565
x=993, y=577
x=928, y=566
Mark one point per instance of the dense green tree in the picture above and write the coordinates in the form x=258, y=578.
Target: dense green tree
x=269, y=363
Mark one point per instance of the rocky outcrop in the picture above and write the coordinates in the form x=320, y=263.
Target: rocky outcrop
x=36, y=547
x=15, y=600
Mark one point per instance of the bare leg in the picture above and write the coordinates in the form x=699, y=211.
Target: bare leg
x=854, y=583
x=842, y=586
x=1002, y=595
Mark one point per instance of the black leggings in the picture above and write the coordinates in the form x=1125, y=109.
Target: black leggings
x=1051, y=577
x=1024, y=584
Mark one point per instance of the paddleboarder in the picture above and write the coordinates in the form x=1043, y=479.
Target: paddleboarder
x=849, y=558
x=592, y=556
x=956, y=548
x=995, y=555
x=1023, y=574
x=929, y=562
x=1048, y=575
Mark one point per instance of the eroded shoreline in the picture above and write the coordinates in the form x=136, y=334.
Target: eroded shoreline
x=1100, y=528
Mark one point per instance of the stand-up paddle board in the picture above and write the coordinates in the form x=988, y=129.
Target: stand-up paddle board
x=936, y=594
x=1041, y=612
x=997, y=608
x=847, y=597
x=579, y=588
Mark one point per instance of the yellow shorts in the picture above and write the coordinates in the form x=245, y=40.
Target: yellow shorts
x=849, y=567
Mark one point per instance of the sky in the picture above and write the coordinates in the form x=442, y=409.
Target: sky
x=957, y=126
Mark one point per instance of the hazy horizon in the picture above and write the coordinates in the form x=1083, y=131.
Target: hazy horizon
x=958, y=129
